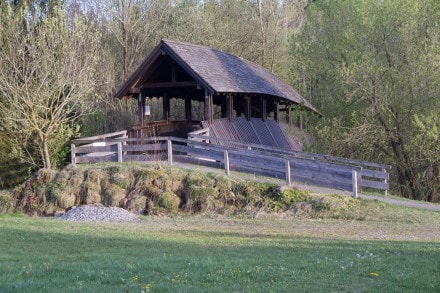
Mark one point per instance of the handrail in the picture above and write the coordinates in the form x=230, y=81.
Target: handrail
x=295, y=153
x=100, y=137
x=304, y=167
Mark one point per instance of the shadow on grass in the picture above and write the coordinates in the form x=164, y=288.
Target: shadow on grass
x=87, y=257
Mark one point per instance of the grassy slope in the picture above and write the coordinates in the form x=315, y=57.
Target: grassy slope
x=218, y=254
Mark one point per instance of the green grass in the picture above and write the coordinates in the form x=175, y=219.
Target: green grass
x=211, y=253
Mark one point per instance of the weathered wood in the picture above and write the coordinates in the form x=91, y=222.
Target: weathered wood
x=323, y=175
x=170, y=152
x=288, y=176
x=122, y=134
x=144, y=158
x=205, y=154
x=119, y=152
x=89, y=159
x=144, y=148
x=374, y=184
x=308, y=168
x=355, y=183
x=375, y=174
x=323, y=166
x=251, y=162
x=96, y=149
x=305, y=155
x=226, y=161
x=175, y=84
x=322, y=182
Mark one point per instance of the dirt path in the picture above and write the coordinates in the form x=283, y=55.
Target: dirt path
x=390, y=200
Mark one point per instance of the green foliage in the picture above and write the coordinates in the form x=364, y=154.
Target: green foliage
x=169, y=201
x=373, y=69
x=7, y=203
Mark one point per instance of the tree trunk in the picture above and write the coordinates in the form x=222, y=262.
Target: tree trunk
x=46, y=155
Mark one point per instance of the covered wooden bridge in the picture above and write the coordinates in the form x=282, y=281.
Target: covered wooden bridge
x=182, y=87
x=203, y=106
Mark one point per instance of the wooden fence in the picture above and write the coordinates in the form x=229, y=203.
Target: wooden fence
x=308, y=168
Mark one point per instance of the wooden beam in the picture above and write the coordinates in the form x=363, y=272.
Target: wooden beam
x=263, y=108
x=169, y=84
x=166, y=107
x=247, y=107
x=188, y=108
x=277, y=112
x=134, y=90
x=229, y=106
x=208, y=108
x=140, y=108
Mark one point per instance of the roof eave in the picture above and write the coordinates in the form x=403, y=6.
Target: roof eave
x=127, y=87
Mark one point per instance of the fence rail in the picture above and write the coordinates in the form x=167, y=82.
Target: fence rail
x=308, y=168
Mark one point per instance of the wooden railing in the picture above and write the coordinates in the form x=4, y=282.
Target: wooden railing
x=201, y=135
x=308, y=168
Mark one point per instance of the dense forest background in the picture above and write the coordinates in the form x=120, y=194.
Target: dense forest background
x=372, y=68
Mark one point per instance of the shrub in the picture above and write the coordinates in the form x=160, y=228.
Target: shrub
x=169, y=201
x=283, y=198
x=198, y=188
x=7, y=203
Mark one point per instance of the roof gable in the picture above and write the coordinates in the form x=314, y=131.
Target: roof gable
x=217, y=72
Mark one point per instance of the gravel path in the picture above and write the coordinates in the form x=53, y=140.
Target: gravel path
x=98, y=214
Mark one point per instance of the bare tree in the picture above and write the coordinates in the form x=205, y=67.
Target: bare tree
x=46, y=82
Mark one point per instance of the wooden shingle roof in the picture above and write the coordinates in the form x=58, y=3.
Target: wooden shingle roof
x=218, y=72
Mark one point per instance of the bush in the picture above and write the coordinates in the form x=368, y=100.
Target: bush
x=7, y=203
x=283, y=198
x=169, y=201
x=198, y=188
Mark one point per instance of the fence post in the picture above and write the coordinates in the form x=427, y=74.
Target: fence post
x=226, y=159
x=385, y=181
x=288, y=179
x=73, y=154
x=354, y=179
x=119, y=152
x=170, y=152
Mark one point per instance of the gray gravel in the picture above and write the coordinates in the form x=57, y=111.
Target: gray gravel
x=98, y=214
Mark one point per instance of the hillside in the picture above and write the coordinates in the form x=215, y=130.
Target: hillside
x=164, y=190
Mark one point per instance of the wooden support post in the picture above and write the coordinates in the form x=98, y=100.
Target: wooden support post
x=229, y=106
x=119, y=152
x=277, y=112
x=208, y=108
x=166, y=107
x=170, y=152
x=288, y=175
x=263, y=108
x=247, y=107
x=226, y=159
x=354, y=179
x=140, y=108
x=188, y=108
x=385, y=181
x=73, y=154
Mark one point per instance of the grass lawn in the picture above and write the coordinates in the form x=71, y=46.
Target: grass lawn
x=218, y=254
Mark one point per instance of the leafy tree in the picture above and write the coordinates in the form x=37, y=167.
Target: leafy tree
x=46, y=81
x=373, y=69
